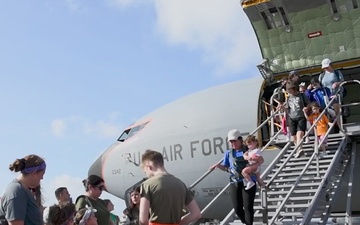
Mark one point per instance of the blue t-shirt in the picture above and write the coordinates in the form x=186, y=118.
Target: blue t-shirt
x=234, y=160
x=328, y=78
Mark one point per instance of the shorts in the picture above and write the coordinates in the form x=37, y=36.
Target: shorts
x=297, y=124
x=322, y=137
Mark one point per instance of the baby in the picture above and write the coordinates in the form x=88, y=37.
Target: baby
x=253, y=155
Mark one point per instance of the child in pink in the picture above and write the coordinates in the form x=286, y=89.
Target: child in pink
x=253, y=155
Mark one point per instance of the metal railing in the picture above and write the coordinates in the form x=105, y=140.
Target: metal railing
x=274, y=162
x=315, y=154
x=340, y=99
x=264, y=202
x=226, y=187
x=252, y=133
x=272, y=113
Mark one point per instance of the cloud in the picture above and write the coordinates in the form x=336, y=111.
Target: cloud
x=58, y=128
x=219, y=28
x=104, y=128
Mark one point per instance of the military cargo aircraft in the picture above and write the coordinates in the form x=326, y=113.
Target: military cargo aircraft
x=191, y=131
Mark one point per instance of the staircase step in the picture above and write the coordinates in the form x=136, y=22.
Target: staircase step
x=303, y=194
x=300, y=185
x=296, y=174
x=302, y=161
x=288, y=206
x=287, y=180
x=282, y=214
x=285, y=192
x=301, y=198
x=311, y=167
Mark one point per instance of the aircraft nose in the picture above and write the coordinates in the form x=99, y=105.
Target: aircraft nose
x=96, y=168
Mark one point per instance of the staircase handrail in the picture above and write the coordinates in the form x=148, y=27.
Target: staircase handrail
x=340, y=99
x=202, y=177
x=300, y=143
x=315, y=154
x=264, y=122
x=214, y=199
x=224, y=189
x=314, y=201
x=276, y=160
x=272, y=113
x=263, y=191
x=252, y=133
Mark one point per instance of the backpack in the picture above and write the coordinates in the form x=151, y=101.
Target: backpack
x=336, y=72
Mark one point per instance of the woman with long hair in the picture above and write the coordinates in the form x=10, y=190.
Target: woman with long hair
x=131, y=213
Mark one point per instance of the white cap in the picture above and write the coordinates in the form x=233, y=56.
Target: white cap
x=325, y=63
x=233, y=135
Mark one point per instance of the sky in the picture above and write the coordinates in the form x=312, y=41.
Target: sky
x=75, y=73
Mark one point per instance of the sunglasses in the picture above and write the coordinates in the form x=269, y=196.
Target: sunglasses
x=100, y=187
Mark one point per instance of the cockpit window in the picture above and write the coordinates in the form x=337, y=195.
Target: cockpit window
x=129, y=132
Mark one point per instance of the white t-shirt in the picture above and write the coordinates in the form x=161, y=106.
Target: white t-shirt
x=253, y=152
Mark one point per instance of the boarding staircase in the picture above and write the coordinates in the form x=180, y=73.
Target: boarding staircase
x=302, y=190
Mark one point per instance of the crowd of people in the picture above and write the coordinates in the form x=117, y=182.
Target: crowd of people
x=20, y=203
x=303, y=103
x=163, y=199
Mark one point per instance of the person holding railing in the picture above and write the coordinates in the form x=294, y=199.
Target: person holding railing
x=234, y=163
x=332, y=79
x=296, y=108
x=321, y=126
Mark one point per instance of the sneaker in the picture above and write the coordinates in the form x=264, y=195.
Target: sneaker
x=321, y=155
x=299, y=154
x=245, y=182
x=249, y=185
x=307, y=140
